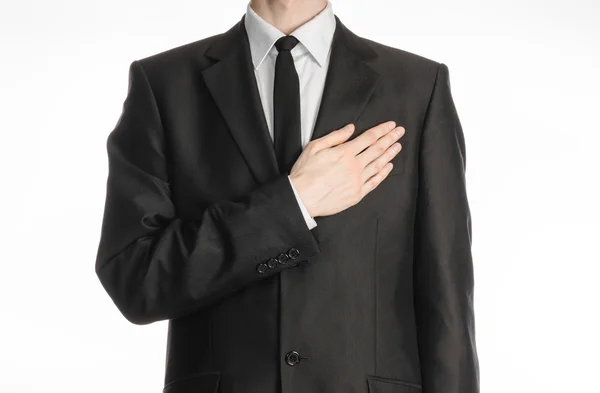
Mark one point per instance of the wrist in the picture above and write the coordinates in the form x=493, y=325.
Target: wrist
x=304, y=193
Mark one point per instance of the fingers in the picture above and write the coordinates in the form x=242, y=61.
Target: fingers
x=333, y=138
x=379, y=163
x=386, y=147
x=375, y=180
x=369, y=137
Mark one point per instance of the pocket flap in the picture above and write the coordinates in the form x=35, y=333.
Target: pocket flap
x=390, y=385
x=203, y=382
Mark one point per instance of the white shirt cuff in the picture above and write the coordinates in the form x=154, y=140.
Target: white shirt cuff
x=310, y=222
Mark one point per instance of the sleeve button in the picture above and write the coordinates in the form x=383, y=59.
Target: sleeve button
x=272, y=263
x=262, y=268
x=283, y=258
x=293, y=253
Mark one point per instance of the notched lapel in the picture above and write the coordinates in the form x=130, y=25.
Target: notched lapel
x=349, y=83
x=232, y=84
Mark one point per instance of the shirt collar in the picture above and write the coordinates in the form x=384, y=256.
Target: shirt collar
x=315, y=35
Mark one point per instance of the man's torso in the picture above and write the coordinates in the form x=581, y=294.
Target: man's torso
x=348, y=313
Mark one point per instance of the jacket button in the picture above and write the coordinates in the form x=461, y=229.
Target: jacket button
x=292, y=358
x=283, y=258
x=272, y=263
x=293, y=253
x=262, y=268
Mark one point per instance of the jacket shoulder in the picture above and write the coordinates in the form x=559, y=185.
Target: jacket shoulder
x=400, y=54
x=186, y=56
x=394, y=60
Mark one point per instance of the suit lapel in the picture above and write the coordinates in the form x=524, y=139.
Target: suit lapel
x=232, y=83
x=349, y=84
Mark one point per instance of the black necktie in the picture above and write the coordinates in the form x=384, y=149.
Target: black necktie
x=286, y=106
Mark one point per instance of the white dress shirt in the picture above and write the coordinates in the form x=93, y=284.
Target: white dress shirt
x=311, y=59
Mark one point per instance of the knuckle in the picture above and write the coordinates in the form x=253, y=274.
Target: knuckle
x=354, y=172
x=312, y=145
x=375, y=133
x=371, y=183
x=384, y=127
x=339, y=153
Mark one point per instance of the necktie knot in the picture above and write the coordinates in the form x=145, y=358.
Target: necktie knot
x=287, y=42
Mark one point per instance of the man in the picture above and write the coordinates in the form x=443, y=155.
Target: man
x=256, y=200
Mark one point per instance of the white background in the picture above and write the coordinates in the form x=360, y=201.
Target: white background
x=525, y=78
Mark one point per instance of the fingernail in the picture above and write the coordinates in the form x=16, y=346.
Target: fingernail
x=391, y=125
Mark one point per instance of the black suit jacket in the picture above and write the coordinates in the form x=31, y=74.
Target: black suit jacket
x=377, y=298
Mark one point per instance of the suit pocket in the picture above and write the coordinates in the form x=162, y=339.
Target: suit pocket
x=388, y=385
x=196, y=383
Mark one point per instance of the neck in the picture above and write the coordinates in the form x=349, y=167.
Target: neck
x=287, y=15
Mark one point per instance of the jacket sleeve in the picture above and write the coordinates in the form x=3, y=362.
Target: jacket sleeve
x=156, y=265
x=443, y=268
